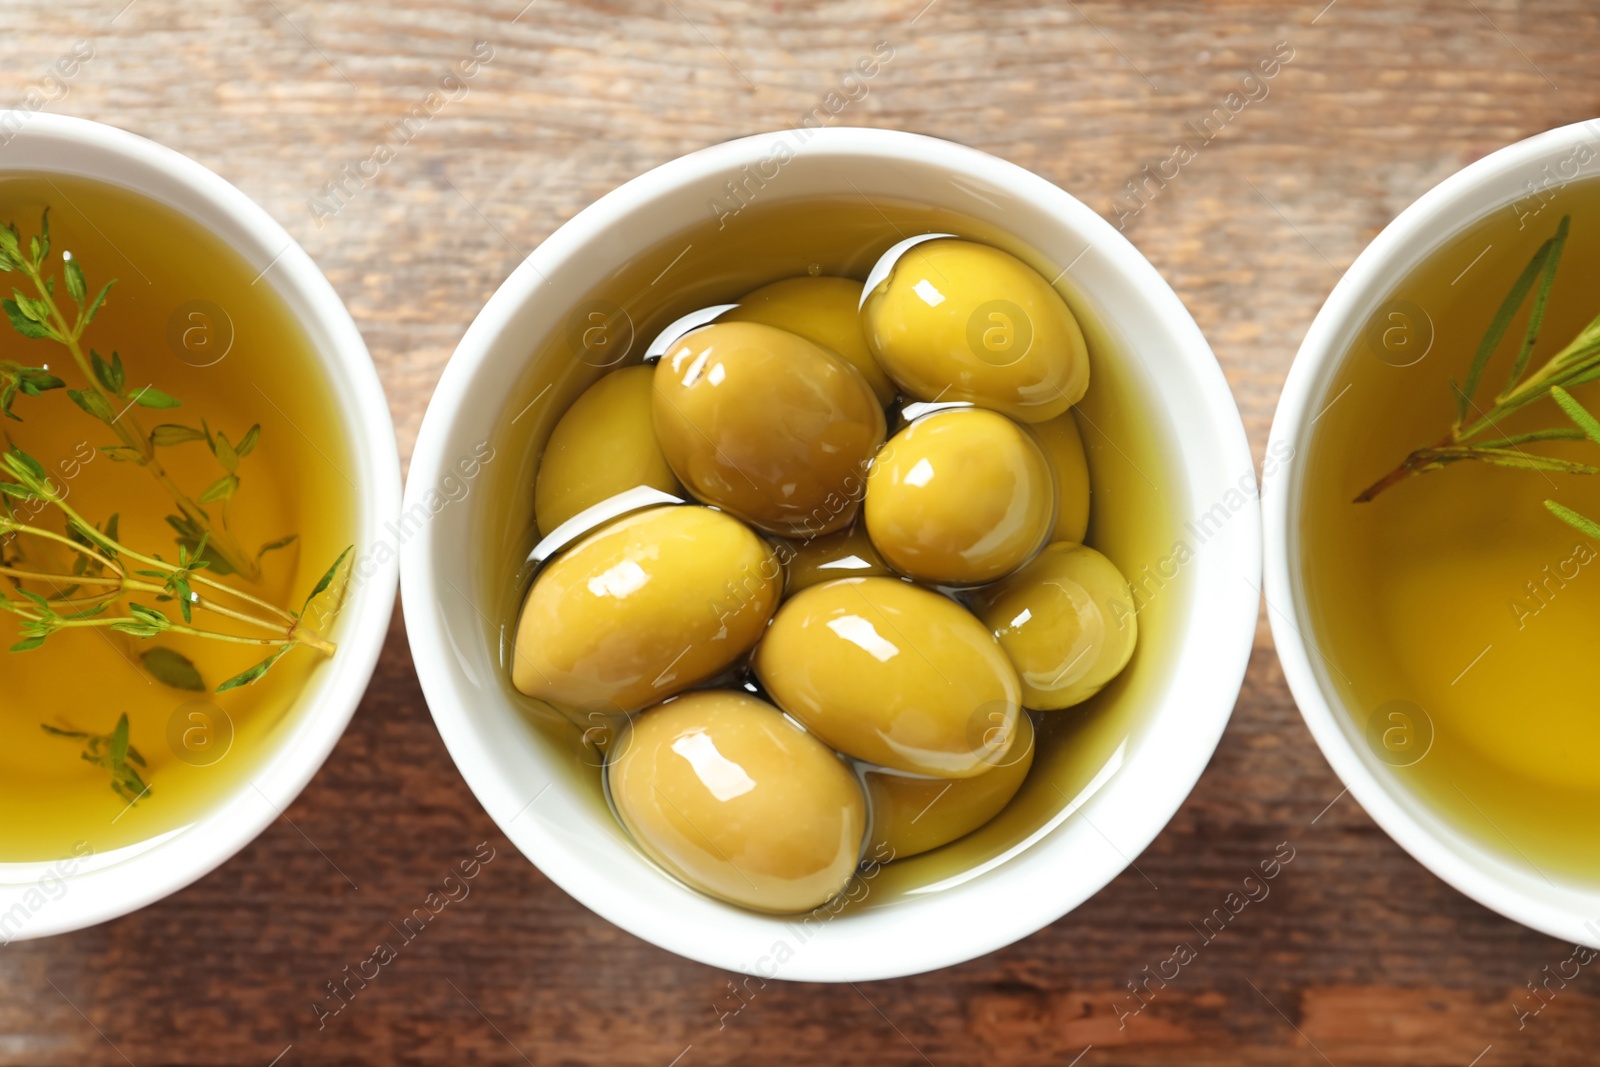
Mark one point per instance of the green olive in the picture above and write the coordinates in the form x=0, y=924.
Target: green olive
x=846, y=554
x=728, y=795
x=1067, y=621
x=824, y=311
x=956, y=320
x=960, y=497
x=1063, y=445
x=892, y=674
x=767, y=425
x=643, y=608
x=603, y=445
x=914, y=814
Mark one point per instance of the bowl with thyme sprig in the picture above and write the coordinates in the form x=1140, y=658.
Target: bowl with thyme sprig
x=196, y=464
x=1432, y=543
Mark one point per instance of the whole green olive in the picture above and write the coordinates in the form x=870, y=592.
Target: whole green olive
x=1068, y=622
x=892, y=674
x=603, y=445
x=825, y=311
x=643, y=608
x=767, y=426
x=728, y=795
x=912, y=814
x=846, y=554
x=960, y=497
x=955, y=320
x=1063, y=446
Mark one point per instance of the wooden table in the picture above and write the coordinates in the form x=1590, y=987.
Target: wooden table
x=1359, y=956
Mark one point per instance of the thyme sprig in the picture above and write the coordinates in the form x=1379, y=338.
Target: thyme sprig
x=110, y=572
x=110, y=397
x=109, y=585
x=112, y=752
x=1576, y=364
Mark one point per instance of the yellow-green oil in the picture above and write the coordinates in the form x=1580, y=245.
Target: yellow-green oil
x=165, y=265
x=1455, y=618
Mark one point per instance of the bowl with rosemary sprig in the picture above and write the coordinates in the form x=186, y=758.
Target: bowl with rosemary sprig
x=196, y=463
x=1432, y=540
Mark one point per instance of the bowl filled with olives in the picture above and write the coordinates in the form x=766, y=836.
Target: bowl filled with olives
x=832, y=555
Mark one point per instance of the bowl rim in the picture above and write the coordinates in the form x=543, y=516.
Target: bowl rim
x=1468, y=196
x=121, y=881
x=559, y=860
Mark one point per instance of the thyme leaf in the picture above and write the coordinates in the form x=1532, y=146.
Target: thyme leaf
x=113, y=752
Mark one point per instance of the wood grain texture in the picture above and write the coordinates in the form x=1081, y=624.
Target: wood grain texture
x=1358, y=956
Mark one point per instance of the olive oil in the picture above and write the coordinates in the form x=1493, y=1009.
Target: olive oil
x=1455, y=617
x=190, y=318
x=1135, y=511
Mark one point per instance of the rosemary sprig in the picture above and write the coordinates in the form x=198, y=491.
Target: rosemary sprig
x=1576, y=364
x=112, y=752
x=109, y=397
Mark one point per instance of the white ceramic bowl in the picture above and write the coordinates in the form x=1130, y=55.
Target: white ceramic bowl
x=35, y=900
x=1516, y=173
x=1189, y=682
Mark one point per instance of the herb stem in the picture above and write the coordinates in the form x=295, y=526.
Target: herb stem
x=201, y=579
x=297, y=630
x=151, y=561
x=218, y=609
x=127, y=427
x=179, y=628
x=51, y=535
x=1415, y=463
x=58, y=579
x=124, y=584
x=79, y=601
x=304, y=635
x=1574, y=365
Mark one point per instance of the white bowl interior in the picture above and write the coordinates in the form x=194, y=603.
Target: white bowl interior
x=1559, y=907
x=1170, y=465
x=35, y=898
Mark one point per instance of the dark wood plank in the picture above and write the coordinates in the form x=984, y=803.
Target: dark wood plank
x=1358, y=955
